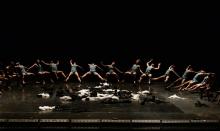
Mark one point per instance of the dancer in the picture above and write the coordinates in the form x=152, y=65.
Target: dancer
x=2, y=76
x=112, y=70
x=184, y=77
x=167, y=74
x=22, y=71
x=192, y=82
x=148, y=71
x=3, y=79
x=10, y=74
x=40, y=71
x=39, y=68
x=92, y=70
x=54, y=68
x=73, y=71
x=204, y=84
x=10, y=71
x=133, y=71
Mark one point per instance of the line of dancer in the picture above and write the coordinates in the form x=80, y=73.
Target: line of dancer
x=103, y=72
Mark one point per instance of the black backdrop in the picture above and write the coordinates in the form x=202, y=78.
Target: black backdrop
x=179, y=40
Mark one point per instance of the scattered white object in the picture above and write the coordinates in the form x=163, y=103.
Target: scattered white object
x=44, y=95
x=135, y=97
x=105, y=84
x=175, y=97
x=100, y=97
x=144, y=92
x=98, y=87
x=115, y=98
x=125, y=91
x=104, y=95
x=44, y=108
x=91, y=99
x=83, y=92
x=108, y=90
x=66, y=98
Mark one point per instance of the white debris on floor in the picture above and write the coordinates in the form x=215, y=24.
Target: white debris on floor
x=176, y=97
x=44, y=95
x=100, y=97
x=83, y=92
x=98, y=87
x=105, y=84
x=44, y=108
x=143, y=92
x=65, y=98
x=135, y=97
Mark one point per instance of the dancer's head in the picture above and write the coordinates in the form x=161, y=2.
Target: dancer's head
x=38, y=60
x=137, y=61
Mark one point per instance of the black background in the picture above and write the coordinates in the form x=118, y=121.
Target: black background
x=123, y=37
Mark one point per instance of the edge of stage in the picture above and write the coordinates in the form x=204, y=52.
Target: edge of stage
x=107, y=124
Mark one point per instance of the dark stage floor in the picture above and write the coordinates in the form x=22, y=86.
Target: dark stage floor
x=23, y=103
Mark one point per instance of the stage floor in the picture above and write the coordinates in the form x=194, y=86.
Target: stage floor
x=22, y=103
